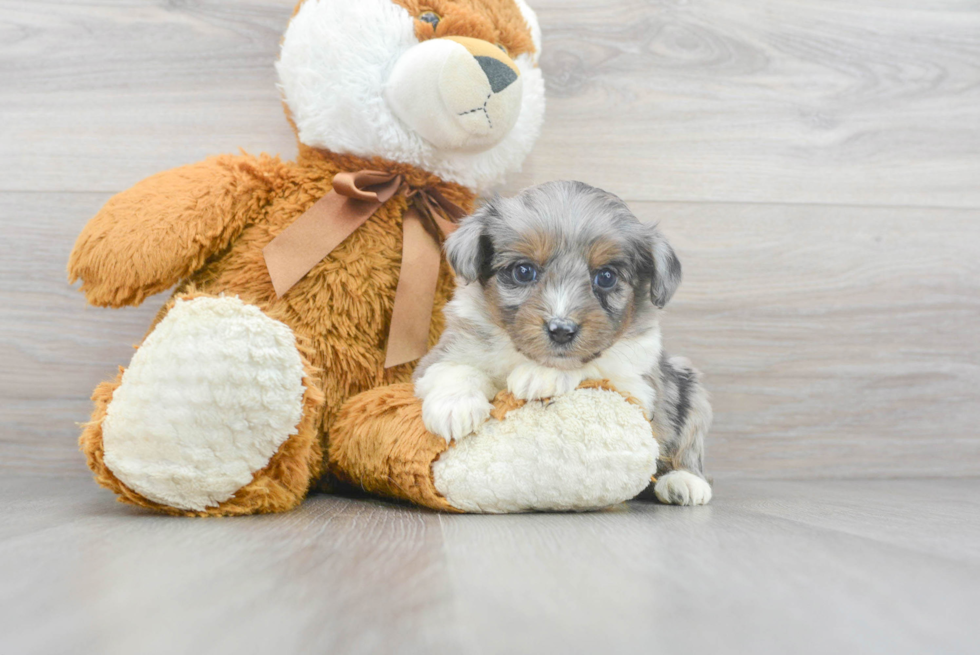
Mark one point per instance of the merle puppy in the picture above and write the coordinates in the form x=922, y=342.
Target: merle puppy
x=559, y=285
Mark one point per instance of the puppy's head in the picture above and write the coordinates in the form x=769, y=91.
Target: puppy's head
x=566, y=269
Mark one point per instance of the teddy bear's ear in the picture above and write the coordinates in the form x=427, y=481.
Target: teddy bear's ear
x=470, y=248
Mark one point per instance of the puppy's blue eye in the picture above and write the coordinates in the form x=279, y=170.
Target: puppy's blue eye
x=525, y=273
x=606, y=278
x=430, y=17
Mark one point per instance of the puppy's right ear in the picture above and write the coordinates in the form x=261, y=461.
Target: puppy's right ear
x=470, y=249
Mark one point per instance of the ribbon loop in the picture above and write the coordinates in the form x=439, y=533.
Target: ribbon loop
x=370, y=186
x=354, y=199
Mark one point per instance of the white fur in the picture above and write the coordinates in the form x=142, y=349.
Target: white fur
x=531, y=381
x=533, y=24
x=682, y=488
x=581, y=451
x=499, y=364
x=439, y=90
x=456, y=400
x=561, y=298
x=207, y=400
x=625, y=364
x=336, y=59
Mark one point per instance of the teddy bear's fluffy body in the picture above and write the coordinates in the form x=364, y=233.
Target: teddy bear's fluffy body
x=238, y=399
x=203, y=227
x=208, y=226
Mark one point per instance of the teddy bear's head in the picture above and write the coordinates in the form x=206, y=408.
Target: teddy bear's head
x=449, y=86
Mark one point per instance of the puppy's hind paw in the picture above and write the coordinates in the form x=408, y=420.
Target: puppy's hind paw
x=454, y=416
x=682, y=488
x=533, y=382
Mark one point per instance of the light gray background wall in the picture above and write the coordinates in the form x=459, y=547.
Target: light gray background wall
x=815, y=162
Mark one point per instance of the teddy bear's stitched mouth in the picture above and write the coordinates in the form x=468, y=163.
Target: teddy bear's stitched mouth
x=482, y=108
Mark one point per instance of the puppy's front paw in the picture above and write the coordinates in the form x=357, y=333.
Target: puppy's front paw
x=454, y=416
x=682, y=488
x=533, y=382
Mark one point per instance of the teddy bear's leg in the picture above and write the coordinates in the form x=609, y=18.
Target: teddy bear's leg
x=216, y=414
x=379, y=443
x=585, y=450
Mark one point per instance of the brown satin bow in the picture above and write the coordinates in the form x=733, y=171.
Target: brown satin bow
x=333, y=218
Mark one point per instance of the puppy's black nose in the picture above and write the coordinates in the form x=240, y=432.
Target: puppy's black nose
x=561, y=330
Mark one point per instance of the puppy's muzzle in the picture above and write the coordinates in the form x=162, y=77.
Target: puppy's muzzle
x=562, y=331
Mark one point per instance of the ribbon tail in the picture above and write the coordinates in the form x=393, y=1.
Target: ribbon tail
x=408, y=337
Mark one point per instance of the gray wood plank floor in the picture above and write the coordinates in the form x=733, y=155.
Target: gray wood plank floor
x=885, y=566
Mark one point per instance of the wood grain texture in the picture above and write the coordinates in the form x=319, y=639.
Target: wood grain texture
x=824, y=101
x=96, y=96
x=815, y=101
x=837, y=336
x=836, y=341
x=54, y=347
x=887, y=567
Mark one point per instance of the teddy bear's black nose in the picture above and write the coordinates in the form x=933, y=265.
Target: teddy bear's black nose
x=500, y=74
x=561, y=330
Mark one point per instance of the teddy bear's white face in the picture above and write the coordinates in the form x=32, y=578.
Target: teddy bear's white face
x=357, y=79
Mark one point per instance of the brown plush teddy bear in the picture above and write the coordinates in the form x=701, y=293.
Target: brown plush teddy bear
x=300, y=284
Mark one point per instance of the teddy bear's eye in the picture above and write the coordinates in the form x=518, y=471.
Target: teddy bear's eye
x=430, y=17
x=504, y=48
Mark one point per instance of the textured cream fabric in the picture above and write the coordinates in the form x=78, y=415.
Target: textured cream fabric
x=580, y=451
x=207, y=400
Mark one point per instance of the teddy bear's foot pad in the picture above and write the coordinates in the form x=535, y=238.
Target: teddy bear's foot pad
x=207, y=400
x=581, y=451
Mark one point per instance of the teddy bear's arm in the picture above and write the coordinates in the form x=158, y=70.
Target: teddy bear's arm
x=148, y=238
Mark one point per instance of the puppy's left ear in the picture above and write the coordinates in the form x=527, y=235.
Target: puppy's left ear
x=666, y=268
x=470, y=249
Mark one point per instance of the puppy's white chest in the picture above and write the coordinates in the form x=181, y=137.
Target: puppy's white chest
x=625, y=366
x=634, y=385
